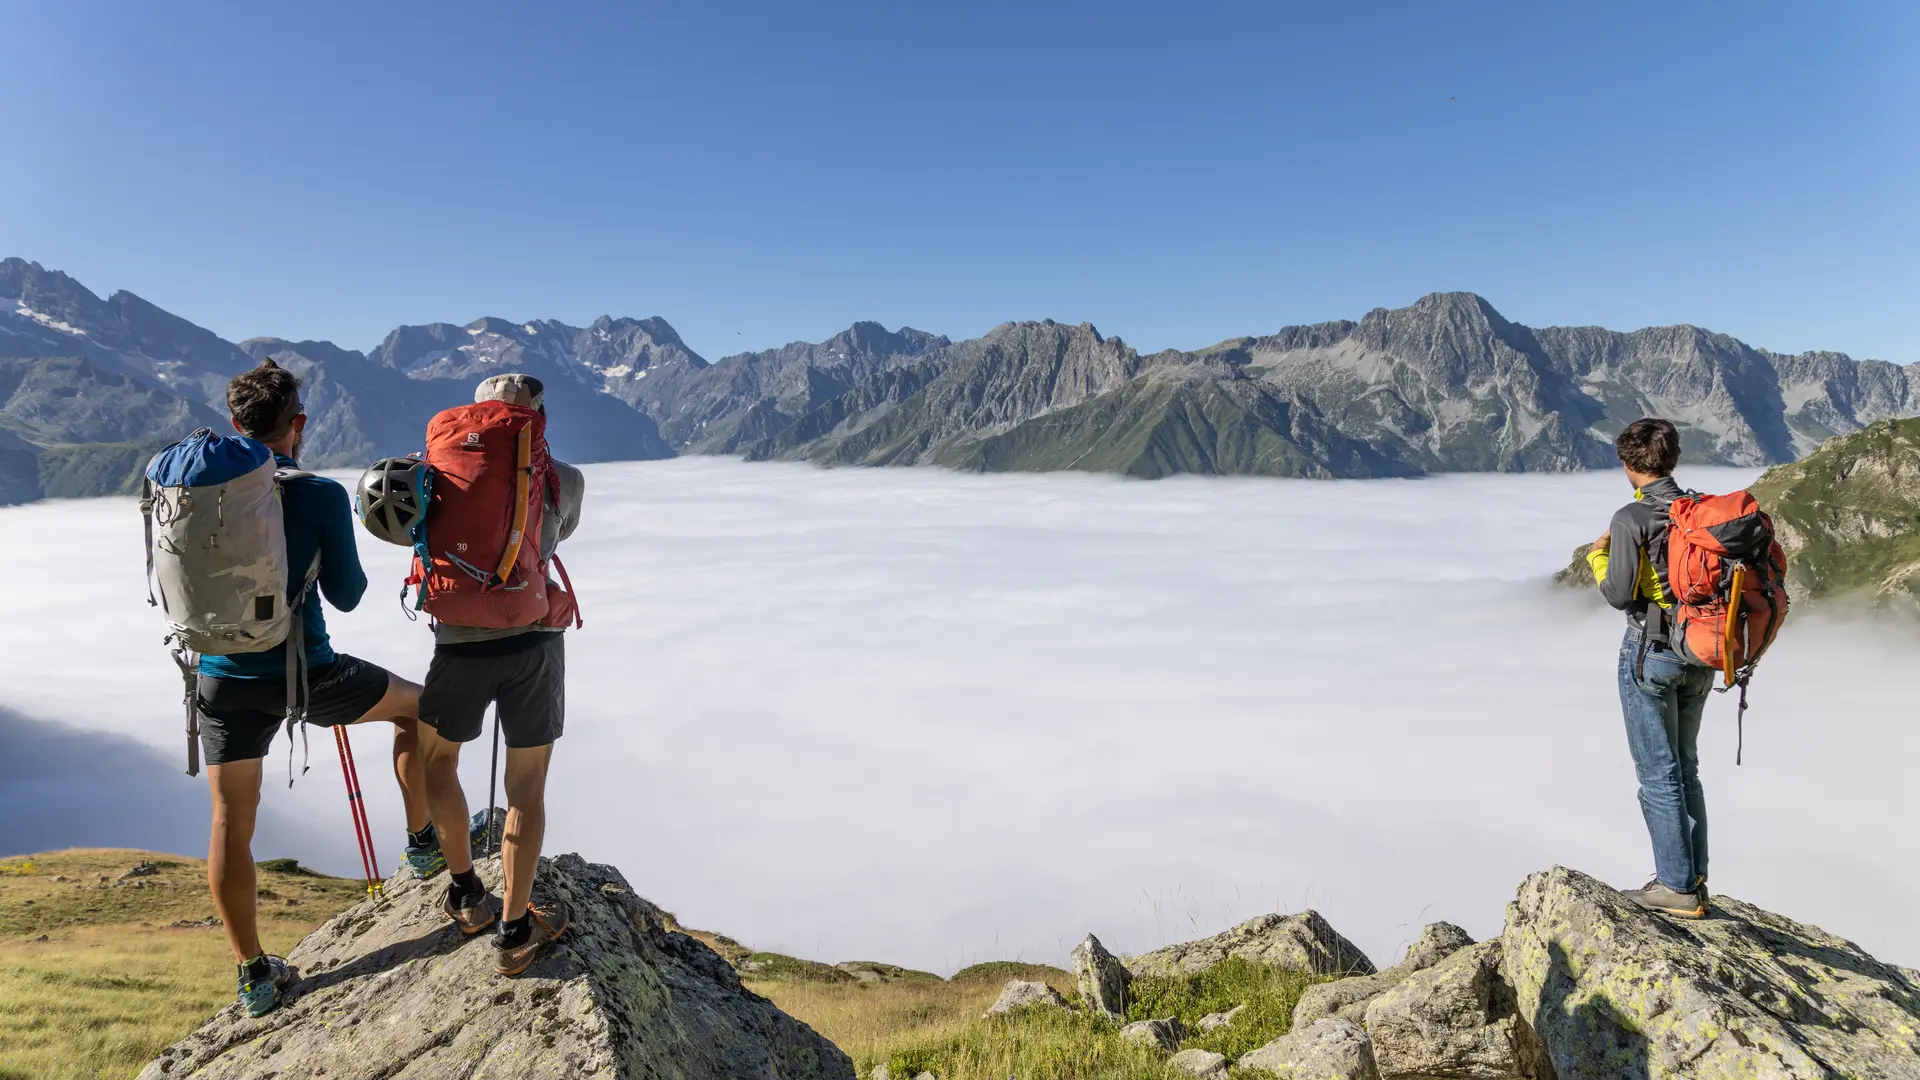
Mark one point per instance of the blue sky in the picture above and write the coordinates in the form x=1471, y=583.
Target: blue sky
x=1176, y=173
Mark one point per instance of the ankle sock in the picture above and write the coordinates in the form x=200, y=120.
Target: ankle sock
x=422, y=839
x=513, y=934
x=466, y=884
x=256, y=969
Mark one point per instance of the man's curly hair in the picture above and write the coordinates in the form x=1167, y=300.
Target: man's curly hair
x=264, y=401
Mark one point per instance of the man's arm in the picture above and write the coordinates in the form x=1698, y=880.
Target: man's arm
x=341, y=577
x=1615, y=560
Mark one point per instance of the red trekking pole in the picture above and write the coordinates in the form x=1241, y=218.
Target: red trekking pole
x=369, y=863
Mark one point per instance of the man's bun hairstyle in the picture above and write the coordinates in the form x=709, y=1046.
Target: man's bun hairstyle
x=1650, y=446
x=264, y=401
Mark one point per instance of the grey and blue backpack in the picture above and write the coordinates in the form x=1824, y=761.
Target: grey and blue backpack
x=217, y=558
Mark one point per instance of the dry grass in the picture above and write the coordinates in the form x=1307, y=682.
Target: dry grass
x=114, y=984
x=938, y=1027
x=874, y=1021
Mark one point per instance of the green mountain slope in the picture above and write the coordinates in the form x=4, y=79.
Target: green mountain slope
x=75, y=427
x=1849, y=514
x=1168, y=422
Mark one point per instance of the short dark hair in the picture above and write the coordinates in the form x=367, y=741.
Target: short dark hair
x=264, y=401
x=1650, y=446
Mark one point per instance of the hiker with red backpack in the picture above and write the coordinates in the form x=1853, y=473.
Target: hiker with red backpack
x=241, y=546
x=495, y=507
x=1702, y=582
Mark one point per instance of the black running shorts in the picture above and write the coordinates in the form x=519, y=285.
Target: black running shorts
x=528, y=686
x=239, y=716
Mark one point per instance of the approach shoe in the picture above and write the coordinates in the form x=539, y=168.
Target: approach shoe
x=262, y=996
x=472, y=913
x=425, y=860
x=1681, y=905
x=549, y=921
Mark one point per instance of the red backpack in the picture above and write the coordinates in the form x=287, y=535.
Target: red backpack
x=479, y=561
x=1728, y=577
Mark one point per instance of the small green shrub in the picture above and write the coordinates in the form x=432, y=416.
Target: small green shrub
x=1269, y=994
x=285, y=866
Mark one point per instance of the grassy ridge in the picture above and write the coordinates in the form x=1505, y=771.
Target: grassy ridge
x=1849, y=513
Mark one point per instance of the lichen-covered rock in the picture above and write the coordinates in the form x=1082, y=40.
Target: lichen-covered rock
x=1613, y=990
x=1436, y=942
x=1455, y=1020
x=1197, y=1062
x=391, y=990
x=1213, y=1021
x=1158, y=1034
x=1348, y=997
x=1303, y=942
x=1329, y=1049
x=1020, y=993
x=1101, y=977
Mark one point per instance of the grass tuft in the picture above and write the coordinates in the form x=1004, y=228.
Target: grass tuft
x=1269, y=994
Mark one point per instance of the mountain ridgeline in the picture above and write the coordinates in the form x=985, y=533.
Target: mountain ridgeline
x=89, y=387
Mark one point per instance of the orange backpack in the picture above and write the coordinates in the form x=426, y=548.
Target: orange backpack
x=1728, y=577
x=479, y=561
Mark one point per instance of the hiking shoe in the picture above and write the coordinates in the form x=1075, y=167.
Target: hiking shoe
x=262, y=996
x=425, y=860
x=471, y=914
x=549, y=922
x=1681, y=905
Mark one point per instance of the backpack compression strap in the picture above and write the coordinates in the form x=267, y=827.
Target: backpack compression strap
x=146, y=518
x=522, y=487
x=189, y=674
x=296, y=649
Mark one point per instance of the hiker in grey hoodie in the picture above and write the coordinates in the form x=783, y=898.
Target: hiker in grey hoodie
x=521, y=671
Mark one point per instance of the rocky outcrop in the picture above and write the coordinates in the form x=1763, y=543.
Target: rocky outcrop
x=1348, y=997
x=392, y=991
x=1021, y=993
x=1614, y=991
x=1101, y=977
x=1330, y=1049
x=1436, y=942
x=1455, y=1019
x=1303, y=942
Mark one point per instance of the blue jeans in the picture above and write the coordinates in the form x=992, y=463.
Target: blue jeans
x=1663, y=698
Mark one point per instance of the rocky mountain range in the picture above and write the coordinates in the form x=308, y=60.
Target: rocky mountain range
x=90, y=386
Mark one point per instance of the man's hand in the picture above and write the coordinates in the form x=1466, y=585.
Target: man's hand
x=1605, y=541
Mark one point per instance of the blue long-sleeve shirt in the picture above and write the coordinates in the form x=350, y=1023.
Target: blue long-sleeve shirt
x=319, y=518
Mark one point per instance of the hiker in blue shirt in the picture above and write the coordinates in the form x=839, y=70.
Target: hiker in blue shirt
x=242, y=699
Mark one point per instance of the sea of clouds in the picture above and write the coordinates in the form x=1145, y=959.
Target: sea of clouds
x=934, y=718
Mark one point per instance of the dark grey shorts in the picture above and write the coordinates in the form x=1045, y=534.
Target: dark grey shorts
x=239, y=716
x=528, y=686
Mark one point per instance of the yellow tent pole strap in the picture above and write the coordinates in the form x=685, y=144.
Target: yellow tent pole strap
x=1730, y=633
x=522, y=480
